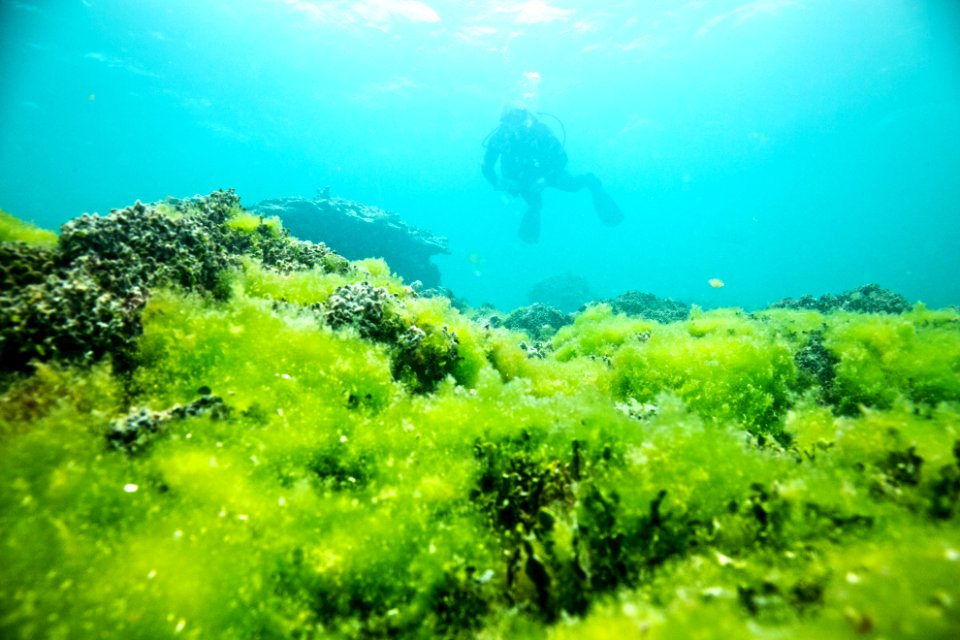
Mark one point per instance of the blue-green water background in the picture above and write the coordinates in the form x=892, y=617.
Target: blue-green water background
x=785, y=147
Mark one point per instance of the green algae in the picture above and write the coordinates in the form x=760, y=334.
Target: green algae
x=787, y=473
x=12, y=229
x=723, y=365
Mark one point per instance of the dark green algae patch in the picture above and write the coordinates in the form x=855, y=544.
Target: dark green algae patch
x=210, y=429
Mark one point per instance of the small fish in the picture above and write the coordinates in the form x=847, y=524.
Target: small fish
x=92, y=96
x=716, y=283
x=479, y=262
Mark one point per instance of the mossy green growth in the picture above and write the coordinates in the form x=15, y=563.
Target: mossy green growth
x=314, y=286
x=723, y=365
x=13, y=229
x=883, y=358
x=599, y=332
x=249, y=223
x=302, y=288
x=629, y=479
x=260, y=358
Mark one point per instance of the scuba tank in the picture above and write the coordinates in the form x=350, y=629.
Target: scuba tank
x=539, y=115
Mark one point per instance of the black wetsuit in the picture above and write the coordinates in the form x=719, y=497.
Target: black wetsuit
x=531, y=158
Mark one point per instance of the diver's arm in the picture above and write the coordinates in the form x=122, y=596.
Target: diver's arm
x=489, y=164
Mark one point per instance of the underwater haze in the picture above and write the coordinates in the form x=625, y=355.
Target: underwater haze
x=784, y=147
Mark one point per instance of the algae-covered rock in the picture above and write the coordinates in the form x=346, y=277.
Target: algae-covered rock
x=539, y=321
x=300, y=447
x=141, y=247
x=367, y=308
x=422, y=357
x=647, y=305
x=51, y=308
x=82, y=299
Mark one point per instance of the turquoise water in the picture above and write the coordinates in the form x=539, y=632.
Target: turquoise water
x=783, y=147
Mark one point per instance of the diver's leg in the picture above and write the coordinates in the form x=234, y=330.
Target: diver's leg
x=530, y=223
x=564, y=181
x=607, y=210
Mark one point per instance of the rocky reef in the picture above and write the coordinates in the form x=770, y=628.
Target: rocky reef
x=539, y=321
x=647, y=305
x=566, y=292
x=871, y=298
x=81, y=299
x=357, y=231
x=211, y=429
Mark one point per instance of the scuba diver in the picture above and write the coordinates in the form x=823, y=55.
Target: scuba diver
x=531, y=159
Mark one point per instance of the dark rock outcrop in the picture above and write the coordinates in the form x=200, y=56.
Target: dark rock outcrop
x=370, y=310
x=357, y=231
x=871, y=298
x=539, y=321
x=649, y=306
x=82, y=300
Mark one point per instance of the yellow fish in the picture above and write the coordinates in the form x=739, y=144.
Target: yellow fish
x=716, y=283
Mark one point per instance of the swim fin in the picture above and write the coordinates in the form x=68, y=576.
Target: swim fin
x=607, y=210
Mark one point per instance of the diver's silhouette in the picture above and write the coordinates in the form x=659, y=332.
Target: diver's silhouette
x=531, y=159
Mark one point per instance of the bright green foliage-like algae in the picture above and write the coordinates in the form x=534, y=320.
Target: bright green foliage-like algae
x=315, y=451
x=13, y=229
